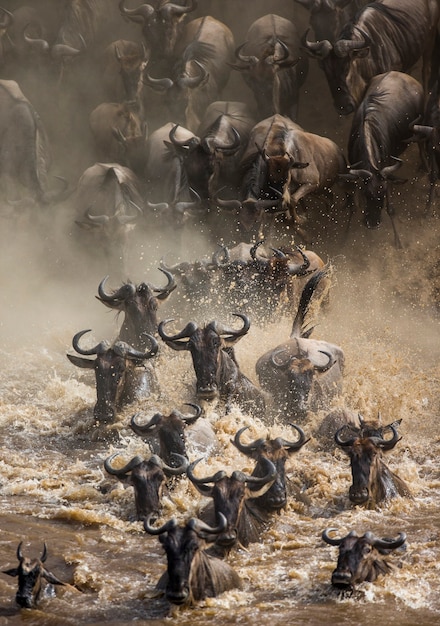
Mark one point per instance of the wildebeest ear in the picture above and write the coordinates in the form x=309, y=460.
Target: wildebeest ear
x=11, y=572
x=51, y=578
x=80, y=362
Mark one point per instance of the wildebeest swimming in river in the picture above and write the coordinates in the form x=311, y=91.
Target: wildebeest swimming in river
x=361, y=558
x=192, y=575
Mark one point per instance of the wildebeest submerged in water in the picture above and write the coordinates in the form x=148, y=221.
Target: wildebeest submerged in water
x=372, y=481
x=361, y=558
x=30, y=573
x=192, y=575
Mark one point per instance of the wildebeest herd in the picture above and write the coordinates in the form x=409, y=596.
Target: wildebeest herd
x=164, y=152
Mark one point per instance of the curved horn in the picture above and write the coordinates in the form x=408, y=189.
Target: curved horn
x=386, y=544
x=385, y=172
x=164, y=292
x=40, y=45
x=20, y=555
x=331, y=361
x=221, y=257
x=296, y=445
x=302, y=268
x=233, y=335
x=342, y=442
x=142, y=13
x=186, y=333
x=8, y=18
x=167, y=469
x=182, y=143
x=123, y=470
x=285, y=55
x=387, y=444
x=43, y=556
x=123, y=349
x=145, y=429
x=203, y=481
x=157, y=84
x=123, y=293
x=228, y=205
x=343, y=47
x=169, y=525
x=276, y=363
x=191, y=82
x=318, y=49
x=190, y=419
x=258, y=481
x=333, y=541
x=248, y=60
x=176, y=9
x=259, y=262
x=249, y=448
x=98, y=349
x=202, y=529
x=210, y=146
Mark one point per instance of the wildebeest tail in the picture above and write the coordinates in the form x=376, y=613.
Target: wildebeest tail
x=299, y=323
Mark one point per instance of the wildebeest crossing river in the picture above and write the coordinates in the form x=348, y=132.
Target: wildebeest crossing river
x=383, y=309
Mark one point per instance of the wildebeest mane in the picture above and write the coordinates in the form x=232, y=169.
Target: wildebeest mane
x=81, y=17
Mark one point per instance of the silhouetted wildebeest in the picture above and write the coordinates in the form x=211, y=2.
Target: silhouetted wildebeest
x=272, y=66
x=139, y=303
x=372, y=481
x=25, y=157
x=121, y=374
x=217, y=372
x=30, y=573
x=147, y=477
x=192, y=575
x=302, y=373
x=277, y=450
x=238, y=498
x=383, y=36
x=170, y=434
x=328, y=17
x=381, y=128
x=361, y=558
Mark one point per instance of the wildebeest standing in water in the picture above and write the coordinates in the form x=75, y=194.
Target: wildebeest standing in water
x=381, y=128
x=372, y=481
x=272, y=65
x=218, y=375
x=384, y=36
x=302, y=373
x=361, y=557
x=24, y=152
x=30, y=573
x=191, y=574
x=122, y=374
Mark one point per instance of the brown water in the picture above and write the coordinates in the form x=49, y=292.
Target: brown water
x=384, y=312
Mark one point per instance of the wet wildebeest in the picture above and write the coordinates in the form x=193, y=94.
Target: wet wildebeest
x=383, y=36
x=148, y=478
x=217, y=372
x=192, y=575
x=361, y=558
x=30, y=573
x=238, y=498
x=169, y=435
x=272, y=65
x=277, y=450
x=381, y=128
x=121, y=374
x=302, y=373
x=139, y=303
x=372, y=481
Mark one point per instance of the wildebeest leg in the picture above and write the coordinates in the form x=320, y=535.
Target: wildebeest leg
x=390, y=211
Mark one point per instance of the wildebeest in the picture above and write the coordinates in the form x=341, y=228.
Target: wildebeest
x=147, y=477
x=361, y=557
x=200, y=72
x=383, y=36
x=238, y=498
x=379, y=133
x=25, y=154
x=30, y=573
x=107, y=203
x=272, y=66
x=282, y=165
x=192, y=575
x=122, y=63
x=121, y=373
x=169, y=435
x=302, y=373
x=162, y=24
x=217, y=372
x=372, y=481
x=327, y=17
x=277, y=450
x=139, y=303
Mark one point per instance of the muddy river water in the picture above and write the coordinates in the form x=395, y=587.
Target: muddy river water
x=383, y=311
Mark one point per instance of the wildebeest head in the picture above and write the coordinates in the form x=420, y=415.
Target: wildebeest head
x=139, y=304
x=277, y=451
x=189, y=576
x=111, y=365
x=339, y=62
x=299, y=372
x=29, y=573
x=361, y=558
x=207, y=346
x=147, y=477
x=170, y=429
x=372, y=481
x=161, y=24
x=229, y=494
